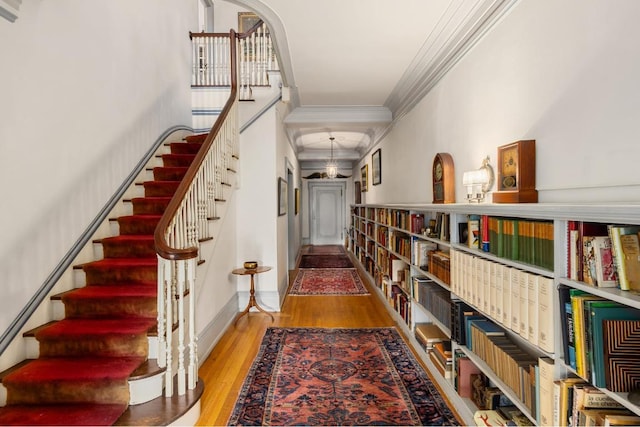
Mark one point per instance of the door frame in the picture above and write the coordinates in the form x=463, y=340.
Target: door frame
x=312, y=208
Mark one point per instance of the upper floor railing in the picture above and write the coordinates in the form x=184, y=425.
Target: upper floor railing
x=256, y=57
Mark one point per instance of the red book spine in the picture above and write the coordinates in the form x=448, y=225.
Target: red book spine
x=484, y=224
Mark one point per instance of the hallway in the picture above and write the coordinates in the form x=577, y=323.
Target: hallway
x=224, y=370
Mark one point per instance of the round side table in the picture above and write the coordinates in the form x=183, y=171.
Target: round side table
x=252, y=292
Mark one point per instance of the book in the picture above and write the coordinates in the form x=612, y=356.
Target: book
x=523, y=315
x=621, y=356
x=515, y=299
x=428, y=334
x=630, y=261
x=573, y=260
x=586, y=229
x=533, y=305
x=473, y=230
x=598, y=316
x=566, y=399
x=586, y=396
x=465, y=369
x=605, y=269
x=615, y=233
x=621, y=420
x=545, y=391
x=577, y=306
x=545, y=310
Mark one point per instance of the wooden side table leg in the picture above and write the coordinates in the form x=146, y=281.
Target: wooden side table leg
x=253, y=303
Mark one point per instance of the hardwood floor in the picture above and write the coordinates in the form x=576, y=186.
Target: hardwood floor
x=225, y=369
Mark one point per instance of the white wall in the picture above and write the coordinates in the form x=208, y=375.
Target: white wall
x=564, y=73
x=257, y=209
x=87, y=87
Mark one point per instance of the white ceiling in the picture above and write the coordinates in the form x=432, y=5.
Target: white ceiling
x=353, y=67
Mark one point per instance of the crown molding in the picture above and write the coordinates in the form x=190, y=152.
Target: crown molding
x=9, y=9
x=338, y=115
x=459, y=29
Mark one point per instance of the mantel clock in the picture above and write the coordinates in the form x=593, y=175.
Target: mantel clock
x=443, y=179
x=517, y=173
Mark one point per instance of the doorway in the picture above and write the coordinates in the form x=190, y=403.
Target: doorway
x=327, y=213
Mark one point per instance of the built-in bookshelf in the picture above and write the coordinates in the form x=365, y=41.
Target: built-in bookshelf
x=550, y=292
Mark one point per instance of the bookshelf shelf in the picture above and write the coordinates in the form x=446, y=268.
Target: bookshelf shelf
x=614, y=294
x=432, y=277
x=554, y=272
x=496, y=380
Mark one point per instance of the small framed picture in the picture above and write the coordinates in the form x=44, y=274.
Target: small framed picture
x=297, y=200
x=364, y=173
x=358, y=193
x=282, y=197
x=376, y=167
x=246, y=20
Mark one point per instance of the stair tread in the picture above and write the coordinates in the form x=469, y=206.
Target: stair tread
x=78, y=414
x=122, y=262
x=128, y=238
x=74, y=368
x=87, y=327
x=103, y=291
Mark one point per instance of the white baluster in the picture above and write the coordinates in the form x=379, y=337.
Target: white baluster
x=193, y=345
x=181, y=277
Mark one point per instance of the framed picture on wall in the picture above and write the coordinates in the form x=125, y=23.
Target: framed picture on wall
x=282, y=197
x=246, y=20
x=376, y=167
x=358, y=193
x=297, y=201
x=364, y=175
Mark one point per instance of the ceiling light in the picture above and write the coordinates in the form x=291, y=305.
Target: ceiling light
x=332, y=167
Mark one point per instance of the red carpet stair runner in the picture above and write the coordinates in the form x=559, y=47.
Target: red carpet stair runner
x=86, y=359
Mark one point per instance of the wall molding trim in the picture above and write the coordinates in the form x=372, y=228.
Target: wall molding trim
x=9, y=9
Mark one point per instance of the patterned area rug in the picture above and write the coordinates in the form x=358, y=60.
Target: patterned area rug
x=325, y=249
x=325, y=261
x=328, y=281
x=314, y=376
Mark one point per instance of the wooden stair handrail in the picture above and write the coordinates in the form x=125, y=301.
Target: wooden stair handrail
x=162, y=247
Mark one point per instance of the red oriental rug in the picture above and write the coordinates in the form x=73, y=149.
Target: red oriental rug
x=325, y=261
x=314, y=376
x=328, y=281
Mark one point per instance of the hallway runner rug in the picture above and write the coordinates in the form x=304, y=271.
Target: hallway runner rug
x=328, y=281
x=324, y=249
x=316, y=376
x=325, y=261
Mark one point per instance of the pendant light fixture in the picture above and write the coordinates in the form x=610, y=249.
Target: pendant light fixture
x=332, y=167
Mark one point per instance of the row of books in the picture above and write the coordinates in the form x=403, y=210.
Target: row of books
x=440, y=265
x=577, y=403
x=601, y=339
x=437, y=346
x=604, y=255
x=516, y=299
x=381, y=235
x=521, y=240
x=434, y=298
x=400, y=244
x=399, y=300
x=420, y=252
x=513, y=365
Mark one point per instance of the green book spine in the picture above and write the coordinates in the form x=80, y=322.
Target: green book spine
x=515, y=254
x=500, y=234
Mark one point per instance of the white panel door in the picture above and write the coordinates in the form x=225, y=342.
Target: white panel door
x=327, y=213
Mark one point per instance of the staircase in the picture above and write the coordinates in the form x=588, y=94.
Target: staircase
x=90, y=366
